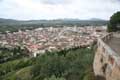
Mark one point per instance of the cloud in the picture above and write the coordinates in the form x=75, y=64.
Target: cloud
x=55, y=2
x=52, y=9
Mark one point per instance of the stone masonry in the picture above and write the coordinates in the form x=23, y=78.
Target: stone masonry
x=107, y=58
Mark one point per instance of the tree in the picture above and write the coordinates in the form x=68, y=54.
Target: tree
x=54, y=78
x=114, y=22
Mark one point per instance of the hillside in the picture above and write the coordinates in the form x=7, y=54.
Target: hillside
x=71, y=64
x=92, y=21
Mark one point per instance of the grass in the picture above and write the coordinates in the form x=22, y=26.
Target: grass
x=22, y=74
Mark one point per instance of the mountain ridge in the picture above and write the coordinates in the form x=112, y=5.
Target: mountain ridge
x=4, y=21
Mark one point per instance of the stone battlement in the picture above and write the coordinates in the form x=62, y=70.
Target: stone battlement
x=107, y=58
x=107, y=49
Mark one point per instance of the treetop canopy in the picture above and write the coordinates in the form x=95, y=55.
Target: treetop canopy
x=114, y=23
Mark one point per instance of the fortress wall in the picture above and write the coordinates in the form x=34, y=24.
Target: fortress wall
x=106, y=61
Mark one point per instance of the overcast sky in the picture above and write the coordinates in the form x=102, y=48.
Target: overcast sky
x=54, y=9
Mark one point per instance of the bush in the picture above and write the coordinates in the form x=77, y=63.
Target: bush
x=72, y=66
x=54, y=78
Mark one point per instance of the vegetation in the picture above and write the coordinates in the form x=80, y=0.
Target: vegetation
x=54, y=78
x=70, y=64
x=7, y=54
x=114, y=22
x=22, y=74
x=14, y=65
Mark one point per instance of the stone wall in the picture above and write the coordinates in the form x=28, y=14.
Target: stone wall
x=106, y=61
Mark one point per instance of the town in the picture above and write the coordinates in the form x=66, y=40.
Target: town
x=59, y=39
x=40, y=40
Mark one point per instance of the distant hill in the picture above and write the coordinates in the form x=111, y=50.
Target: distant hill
x=93, y=21
x=97, y=19
x=2, y=20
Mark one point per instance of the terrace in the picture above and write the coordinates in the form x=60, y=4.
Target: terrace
x=114, y=43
